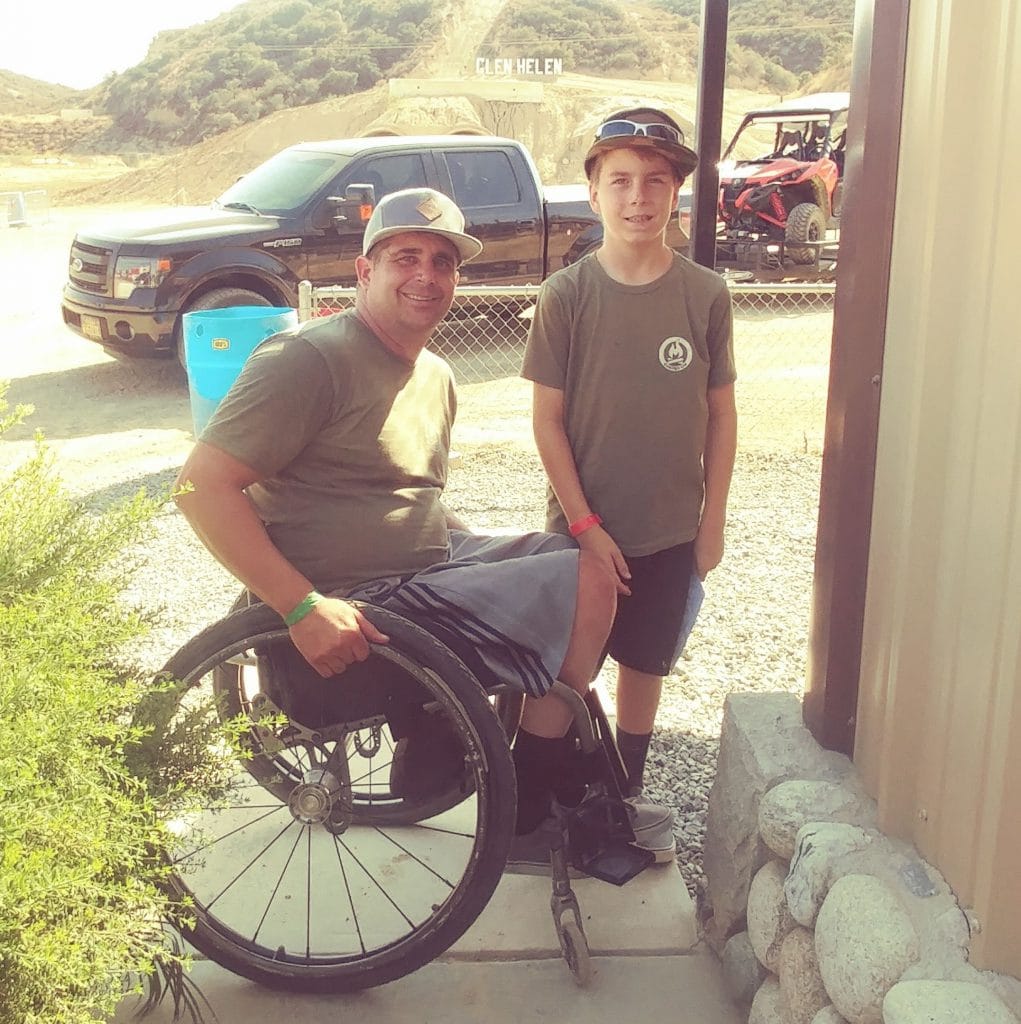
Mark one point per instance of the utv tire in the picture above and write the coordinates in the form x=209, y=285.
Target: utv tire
x=218, y=298
x=805, y=223
x=838, y=205
x=820, y=196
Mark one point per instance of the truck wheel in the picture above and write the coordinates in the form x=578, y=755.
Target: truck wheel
x=218, y=298
x=805, y=223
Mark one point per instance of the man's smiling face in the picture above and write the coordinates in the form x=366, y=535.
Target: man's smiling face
x=635, y=194
x=409, y=281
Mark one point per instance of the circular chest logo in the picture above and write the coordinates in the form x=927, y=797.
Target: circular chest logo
x=675, y=354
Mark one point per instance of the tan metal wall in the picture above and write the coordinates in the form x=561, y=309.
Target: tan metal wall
x=939, y=712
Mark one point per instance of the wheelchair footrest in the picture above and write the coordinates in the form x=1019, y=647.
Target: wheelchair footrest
x=616, y=862
x=600, y=840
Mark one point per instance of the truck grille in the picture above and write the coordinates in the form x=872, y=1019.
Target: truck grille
x=94, y=273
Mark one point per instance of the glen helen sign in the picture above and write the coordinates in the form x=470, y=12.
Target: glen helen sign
x=519, y=66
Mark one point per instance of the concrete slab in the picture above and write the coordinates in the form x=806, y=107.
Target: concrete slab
x=652, y=914
x=668, y=989
x=646, y=960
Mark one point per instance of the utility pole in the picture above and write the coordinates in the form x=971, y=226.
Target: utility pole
x=712, y=70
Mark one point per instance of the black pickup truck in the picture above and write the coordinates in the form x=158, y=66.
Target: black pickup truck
x=300, y=216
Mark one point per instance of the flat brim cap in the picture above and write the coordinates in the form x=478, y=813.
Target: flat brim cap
x=424, y=210
x=681, y=158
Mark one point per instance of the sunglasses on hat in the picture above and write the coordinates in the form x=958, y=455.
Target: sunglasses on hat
x=620, y=128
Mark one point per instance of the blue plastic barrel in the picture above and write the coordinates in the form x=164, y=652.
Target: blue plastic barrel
x=216, y=344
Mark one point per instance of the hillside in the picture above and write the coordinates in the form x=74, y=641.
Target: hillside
x=210, y=102
x=21, y=96
x=264, y=56
x=556, y=130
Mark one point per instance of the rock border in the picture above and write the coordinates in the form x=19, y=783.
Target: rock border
x=820, y=918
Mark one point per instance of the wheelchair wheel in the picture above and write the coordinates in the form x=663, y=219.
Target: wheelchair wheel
x=238, y=688
x=279, y=878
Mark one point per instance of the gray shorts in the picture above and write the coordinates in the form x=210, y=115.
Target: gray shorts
x=511, y=598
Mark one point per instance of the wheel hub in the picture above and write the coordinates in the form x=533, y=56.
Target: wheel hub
x=317, y=799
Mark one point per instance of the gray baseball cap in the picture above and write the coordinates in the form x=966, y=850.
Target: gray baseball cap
x=420, y=209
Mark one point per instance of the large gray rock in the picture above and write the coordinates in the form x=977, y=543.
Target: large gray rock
x=1006, y=987
x=769, y=920
x=865, y=941
x=943, y=1002
x=828, y=1015
x=762, y=742
x=801, y=984
x=742, y=972
x=817, y=855
x=767, y=1006
x=787, y=807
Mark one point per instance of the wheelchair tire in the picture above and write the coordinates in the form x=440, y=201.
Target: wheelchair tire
x=302, y=893
x=374, y=803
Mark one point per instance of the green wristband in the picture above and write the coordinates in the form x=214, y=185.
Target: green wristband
x=299, y=611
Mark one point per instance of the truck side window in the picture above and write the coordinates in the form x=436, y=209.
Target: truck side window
x=392, y=173
x=482, y=179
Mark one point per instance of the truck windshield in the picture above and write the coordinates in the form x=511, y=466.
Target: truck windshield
x=284, y=183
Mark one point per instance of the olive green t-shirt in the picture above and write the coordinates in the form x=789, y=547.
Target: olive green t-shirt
x=635, y=363
x=351, y=445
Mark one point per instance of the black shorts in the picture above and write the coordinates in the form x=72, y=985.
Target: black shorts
x=646, y=633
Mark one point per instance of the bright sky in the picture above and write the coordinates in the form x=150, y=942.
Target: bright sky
x=80, y=43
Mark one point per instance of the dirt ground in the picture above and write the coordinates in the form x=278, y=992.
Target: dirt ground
x=102, y=417
x=109, y=420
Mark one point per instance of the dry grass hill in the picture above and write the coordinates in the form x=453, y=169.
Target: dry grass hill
x=555, y=126
x=554, y=118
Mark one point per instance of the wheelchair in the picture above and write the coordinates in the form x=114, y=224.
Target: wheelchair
x=318, y=861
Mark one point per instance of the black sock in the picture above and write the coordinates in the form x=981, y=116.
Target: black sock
x=634, y=749
x=568, y=773
x=533, y=757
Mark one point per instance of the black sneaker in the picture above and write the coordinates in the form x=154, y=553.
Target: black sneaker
x=530, y=853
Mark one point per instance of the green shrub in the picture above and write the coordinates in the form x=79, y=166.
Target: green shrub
x=80, y=909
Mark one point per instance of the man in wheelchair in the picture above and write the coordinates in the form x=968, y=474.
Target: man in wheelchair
x=321, y=473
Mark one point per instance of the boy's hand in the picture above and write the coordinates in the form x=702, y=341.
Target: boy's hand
x=604, y=547
x=333, y=635
x=708, y=552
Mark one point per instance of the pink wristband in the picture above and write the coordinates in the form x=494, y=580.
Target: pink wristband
x=579, y=526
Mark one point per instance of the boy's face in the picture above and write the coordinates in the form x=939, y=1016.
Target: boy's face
x=635, y=194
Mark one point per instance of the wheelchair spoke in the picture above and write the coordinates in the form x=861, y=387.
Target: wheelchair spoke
x=418, y=860
x=347, y=891
x=372, y=878
x=227, y=835
x=250, y=864
x=276, y=888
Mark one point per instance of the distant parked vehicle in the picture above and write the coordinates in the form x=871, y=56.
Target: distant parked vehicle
x=776, y=209
x=301, y=216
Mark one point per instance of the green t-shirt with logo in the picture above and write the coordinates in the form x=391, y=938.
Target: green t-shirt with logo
x=635, y=363
x=351, y=444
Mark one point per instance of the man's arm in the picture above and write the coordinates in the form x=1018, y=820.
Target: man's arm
x=558, y=461
x=718, y=465
x=210, y=492
x=455, y=522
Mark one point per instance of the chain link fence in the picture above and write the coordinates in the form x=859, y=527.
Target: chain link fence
x=781, y=343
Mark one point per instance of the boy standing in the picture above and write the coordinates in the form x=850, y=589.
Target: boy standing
x=631, y=357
